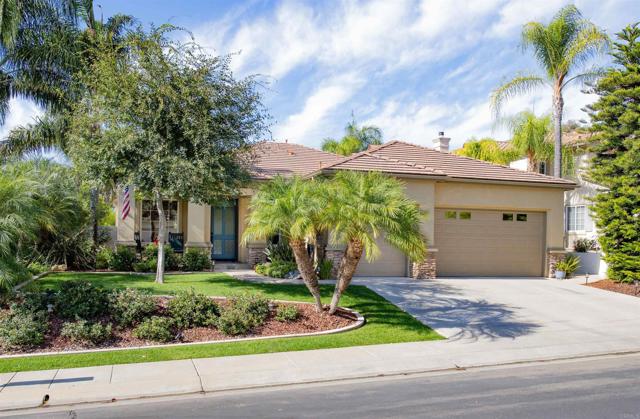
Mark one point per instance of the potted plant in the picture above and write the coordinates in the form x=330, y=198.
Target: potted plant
x=566, y=267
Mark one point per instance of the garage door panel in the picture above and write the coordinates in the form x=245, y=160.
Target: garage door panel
x=487, y=245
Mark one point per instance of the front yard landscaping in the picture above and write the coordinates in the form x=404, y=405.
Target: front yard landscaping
x=620, y=287
x=386, y=323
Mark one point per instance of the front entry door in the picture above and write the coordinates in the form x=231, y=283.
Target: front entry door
x=224, y=232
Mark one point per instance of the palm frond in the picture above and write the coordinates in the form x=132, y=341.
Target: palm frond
x=519, y=85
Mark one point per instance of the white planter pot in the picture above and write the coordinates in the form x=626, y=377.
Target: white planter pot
x=560, y=274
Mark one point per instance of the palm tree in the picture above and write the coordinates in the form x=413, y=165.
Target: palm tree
x=363, y=206
x=531, y=137
x=291, y=208
x=562, y=48
x=486, y=149
x=355, y=139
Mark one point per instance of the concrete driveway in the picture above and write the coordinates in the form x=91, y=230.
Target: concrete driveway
x=519, y=312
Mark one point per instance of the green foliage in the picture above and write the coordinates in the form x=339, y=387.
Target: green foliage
x=585, y=245
x=104, y=258
x=22, y=330
x=279, y=252
x=276, y=269
x=325, y=267
x=130, y=306
x=486, y=149
x=36, y=268
x=159, y=329
x=190, y=309
x=109, y=217
x=122, y=259
x=172, y=260
x=82, y=331
x=287, y=313
x=32, y=302
x=568, y=265
x=81, y=300
x=244, y=313
x=616, y=165
x=354, y=140
x=195, y=260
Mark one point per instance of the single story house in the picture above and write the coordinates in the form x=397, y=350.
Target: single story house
x=482, y=219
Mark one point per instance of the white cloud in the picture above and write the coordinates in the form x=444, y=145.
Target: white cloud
x=21, y=112
x=317, y=106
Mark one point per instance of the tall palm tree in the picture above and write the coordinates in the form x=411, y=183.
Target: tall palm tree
x=364, y=206
x=291, y=208
x=355, y=139
x=562, y=49
x=531, y=138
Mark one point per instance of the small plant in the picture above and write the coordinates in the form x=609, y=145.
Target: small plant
x=256, y=306
x=276, y=269
x=287, y=313
x=143, y=267
x=36, y=268
x=245, y=312
x=190, y=309
x=324, y=269
x=568, y=265
x=104, y=258
x=122, y=259
x=159, y=329
x=585, y=245
x=22, y=330
x=81, y=300
x=130, y=306
x=280, y=252
x=172, y=261
x=32, y=302
x=82, y=331
x=195, y=260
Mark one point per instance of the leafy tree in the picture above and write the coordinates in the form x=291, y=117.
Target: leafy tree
x=616, y=165
x=355, y=139
x=291, y=208
x=562, y=49
x=169, y=120
x=362, y=207
x=487, y=149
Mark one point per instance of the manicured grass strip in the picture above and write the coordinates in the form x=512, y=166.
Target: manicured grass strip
x=386, y=323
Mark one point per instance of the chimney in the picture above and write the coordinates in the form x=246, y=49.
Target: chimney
x=441, y=143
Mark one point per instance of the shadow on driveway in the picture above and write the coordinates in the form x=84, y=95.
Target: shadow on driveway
x=452, y=311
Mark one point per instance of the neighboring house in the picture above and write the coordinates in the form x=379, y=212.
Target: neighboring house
x=578, y=221
x=482, y=219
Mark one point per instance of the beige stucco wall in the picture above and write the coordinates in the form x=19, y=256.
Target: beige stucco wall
x=243, y=211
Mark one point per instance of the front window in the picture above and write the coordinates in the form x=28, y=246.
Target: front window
x=150, y=222
x=576, y=217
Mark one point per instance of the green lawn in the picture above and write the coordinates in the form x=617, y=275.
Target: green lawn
x=386, y=323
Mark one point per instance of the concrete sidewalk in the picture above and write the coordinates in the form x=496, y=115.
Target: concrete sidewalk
x=474, y=341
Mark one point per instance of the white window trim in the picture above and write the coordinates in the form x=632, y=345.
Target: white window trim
x=584, y=219
x=178, y=223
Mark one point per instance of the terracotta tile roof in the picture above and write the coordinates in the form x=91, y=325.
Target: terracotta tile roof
x=401, y=158
x=288, y=159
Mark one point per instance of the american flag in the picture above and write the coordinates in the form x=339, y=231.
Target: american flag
x=126, y=203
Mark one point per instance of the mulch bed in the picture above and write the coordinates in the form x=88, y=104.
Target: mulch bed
x=308, y=322
x=609, y=285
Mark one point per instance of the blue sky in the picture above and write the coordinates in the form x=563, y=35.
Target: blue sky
x=411, y=67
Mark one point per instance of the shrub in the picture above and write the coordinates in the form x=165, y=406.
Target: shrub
x=568, y=265
x=81, y=300
x=122, y=259
x=82, y=331
x=233, y=322
x=130, y=306
x=159, y=329
x=244, y=313
x=276, y=269
x=104, y=258
x=280, y=252
x=172, y=261
x=142, y=267
x=585, y=245
x=262, y=268
x=324, y=269
x=287, y=313
x=36, y=268
x=32, y=302
x=190, y=309
x=22, y=330
x=195, y=260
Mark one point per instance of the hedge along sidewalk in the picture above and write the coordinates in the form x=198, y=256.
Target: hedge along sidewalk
x=385, y=323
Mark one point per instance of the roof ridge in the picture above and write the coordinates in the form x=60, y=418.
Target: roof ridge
x=286, y=143
x=406, y=163
x=360, y=153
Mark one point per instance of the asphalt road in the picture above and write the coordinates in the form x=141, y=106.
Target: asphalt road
x=595, y=388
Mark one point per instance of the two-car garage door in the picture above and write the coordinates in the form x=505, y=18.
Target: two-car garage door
x=489, y=243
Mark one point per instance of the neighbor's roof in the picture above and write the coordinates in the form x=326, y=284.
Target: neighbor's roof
x=403, y=158
x=288, y=159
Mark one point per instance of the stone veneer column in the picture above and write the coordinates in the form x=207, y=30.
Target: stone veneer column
x=553, y=257
x=334, y=254
x=255, y=253
x=427, y=268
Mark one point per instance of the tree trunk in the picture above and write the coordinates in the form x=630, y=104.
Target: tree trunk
x=93, y=204
x=558, y=104
x=348, y=265
x=161, y=238
x=531, y=163
x=305, y=265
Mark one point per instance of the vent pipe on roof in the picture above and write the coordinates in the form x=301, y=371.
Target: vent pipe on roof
x=441, y=143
